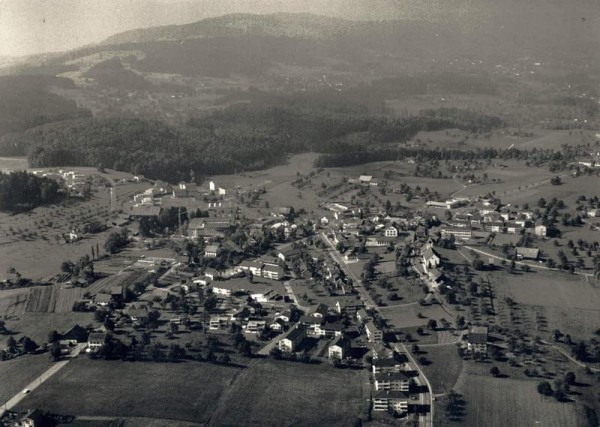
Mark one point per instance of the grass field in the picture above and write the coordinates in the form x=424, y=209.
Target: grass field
x=444, y=369
x=13, y=301
x=15, y=374
x=38, y=325
x=205, y=393
x=570, y=302
x=184, y=391
x=277, y=394
x=407, y=316
x=504, y=402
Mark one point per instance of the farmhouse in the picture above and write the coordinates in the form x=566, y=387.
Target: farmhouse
x=34, y=418
x=74, y=335
x=477, y=339
x=339, y=347
x=293, y=339
x=96, y=340
x=385, y=400
x=398, y=381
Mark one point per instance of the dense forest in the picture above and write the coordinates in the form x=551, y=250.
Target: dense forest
x=240, y=137
x=20, y=191
x=26, y=101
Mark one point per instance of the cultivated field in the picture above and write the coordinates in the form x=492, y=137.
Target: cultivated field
x=183, y=391
x=204, y=393
x=38, y=325
x=15, y=374
x=499, y=402
x=13, y=302
x=53, y=299
x=302, y=394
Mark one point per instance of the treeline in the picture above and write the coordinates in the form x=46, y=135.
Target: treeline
x=238, y=138
x=20, y=191
x=359, y=156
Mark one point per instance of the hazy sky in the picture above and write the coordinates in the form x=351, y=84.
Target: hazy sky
x=37, y=26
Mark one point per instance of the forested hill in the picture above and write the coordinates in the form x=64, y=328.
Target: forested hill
x=26, y=101
x=235, y=139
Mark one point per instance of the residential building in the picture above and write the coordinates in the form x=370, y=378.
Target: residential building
x=477, y=339
x=398, y=381
x=253, y=267
x=348, y=305
x=373, y=334
x=97, y=340
x=273, y=272
x=385, y=400
x=211, y=251
x=218, y=322
x=290, y=343
x=390, y=231
x=33, y=418
x=363, y=316
x=339, y=347
x=540, y=230
x=389, y=364
x=255, y=326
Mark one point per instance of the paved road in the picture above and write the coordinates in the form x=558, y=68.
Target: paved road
x=16, y=399
x=531, y=265
x=427, y=419
x=267, y=348
x=357, y=282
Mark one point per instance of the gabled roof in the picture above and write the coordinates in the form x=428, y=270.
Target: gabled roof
x=478, y=335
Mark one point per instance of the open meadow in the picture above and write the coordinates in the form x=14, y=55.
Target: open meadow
x=408, y=315
x=182, y=391
x=501, y=402
x=16, y=374
x=38, y=325
x=287, y=394
x=205, y=393
x=569, y=302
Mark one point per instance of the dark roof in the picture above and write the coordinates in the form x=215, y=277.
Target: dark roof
x=333, y=326
x=145, y=211
x=97, y=336
x=392, y=376
x=478, y=335
x=390, y=394
x=341, y=340
x=387, y=362
x=35, y=415
x=77, y=332
x=102, y=298
x=296, y=333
